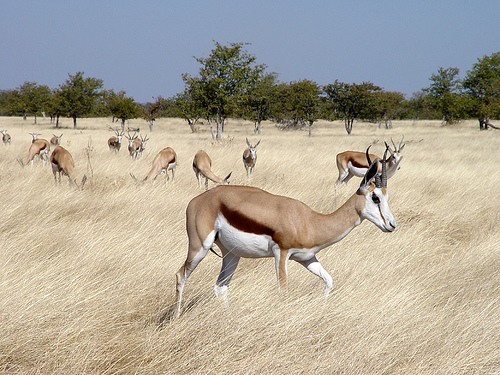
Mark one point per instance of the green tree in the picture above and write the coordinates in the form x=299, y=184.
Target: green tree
x=33, y=98
x=151, y=111
x=482, y=87
x=387, y=106
x=187, y=106
x=225, y=75
x=444, y=94
x=55, y=108
x=79, y=95
x=257, y=102
x=122, y=107
x=10, y=103
x=350, y=101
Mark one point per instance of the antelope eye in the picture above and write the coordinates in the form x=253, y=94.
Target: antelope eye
x=375, y=199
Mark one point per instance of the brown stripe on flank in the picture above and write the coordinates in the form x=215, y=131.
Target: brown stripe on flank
x=244, y=223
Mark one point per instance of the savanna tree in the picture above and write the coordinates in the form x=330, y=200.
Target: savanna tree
x=79, y=95
x=224, y=76
x=257, y=101
x=122, y=107
x=350, y=101
x=482, y=86
x=444, y=94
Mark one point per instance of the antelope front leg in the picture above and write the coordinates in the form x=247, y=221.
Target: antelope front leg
x=281, y=258
x=315, y=267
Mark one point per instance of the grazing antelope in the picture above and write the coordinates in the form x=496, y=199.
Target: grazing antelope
x=202, y=165
x=62, y=163
x=6, y=137
x=55, y=140
x=164, y=161
x=250, y=158
x=249, y=222
x=354, y=163
x=115, y=142
x=39, y=147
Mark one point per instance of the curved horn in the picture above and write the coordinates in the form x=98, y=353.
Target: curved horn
x=378, y=181
x=368, y=156
x=395, y=148
x=384, y=170
x=399, y=148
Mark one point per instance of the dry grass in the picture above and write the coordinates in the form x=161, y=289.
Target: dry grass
x=87, y=277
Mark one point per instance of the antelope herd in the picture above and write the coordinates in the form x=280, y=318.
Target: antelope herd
x=246, y=221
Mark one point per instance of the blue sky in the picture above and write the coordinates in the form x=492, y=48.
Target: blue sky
x=144, y=47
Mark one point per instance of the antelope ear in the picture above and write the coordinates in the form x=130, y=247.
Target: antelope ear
x=401, y=148
x=370, y=174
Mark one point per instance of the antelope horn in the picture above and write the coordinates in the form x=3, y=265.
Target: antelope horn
x=368, y=156
x=395, y=148
x=399, y=148
x=384, y=170
x=378, y=182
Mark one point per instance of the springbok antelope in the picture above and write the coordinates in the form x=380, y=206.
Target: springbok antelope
x=164, y=161
x=248, y=222
x=250, y=157
x=136, y=146
x=39, y=147
x=354, y=163
x=142, y=146
x=202, y=166
x=5, y=137
x=115, y=142
x=55, y=140
x=62, y=163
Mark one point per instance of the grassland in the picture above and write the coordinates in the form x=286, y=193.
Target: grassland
x=87, y=277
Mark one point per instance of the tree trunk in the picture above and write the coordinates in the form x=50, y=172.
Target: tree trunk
x=257, y=128
x=151, y=123
x=211, y=128
x=191, y=125
x=483, y=123
x=220, y=126
x=310, y=127
x=57, y=121
x=74, y=122
x=348, y=125
x=35, y=119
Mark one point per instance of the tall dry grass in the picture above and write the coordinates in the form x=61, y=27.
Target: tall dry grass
x=87, y=277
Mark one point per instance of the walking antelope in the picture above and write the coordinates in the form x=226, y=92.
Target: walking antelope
x=39, y=147
x=136, y=146
x=248, y=222
x=62, y=163
x=164, y=161
x=55, y=140
x=202, y=165
x=250, y=158
x=354, y=163
x=115, y=142
x=6, y=137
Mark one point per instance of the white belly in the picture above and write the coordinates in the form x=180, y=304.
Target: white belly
x=243, y=244
x=358, y=172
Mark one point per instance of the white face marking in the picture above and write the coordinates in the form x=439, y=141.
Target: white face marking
x=378, y=212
